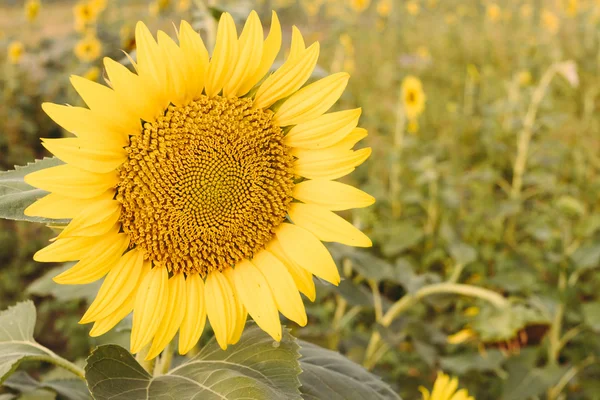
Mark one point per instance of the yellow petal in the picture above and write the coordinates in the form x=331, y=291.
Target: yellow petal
x=306, y=250
x=139, y=99
x=86, y=124
x=302, y=278
x=240, y=314
x=220, y=307
x=104, y=325
x=57, y=206
x=250, y=53
x=104, y=101
x=151, y=64
x=326, y=225
x=196, y=60
x=288, y=78
x=173, y=58
x=95, y=220
x=350, y=140
x=67, y=249
x=329, y=165
x=257, y=297
x=312, y=101
x=150, y=307
x=331, y=195
x=271, y=48
x=98, y=261
x=195, y=314
x=122, y=280
x=67, y=180
x=324, y=131
x=86, y=155
x=173, y=317
x=285, y=291
x=224, y=56
x=424, y=393
x=297, y=46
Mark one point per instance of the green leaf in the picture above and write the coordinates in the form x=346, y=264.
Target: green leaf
x=586, y=256
x=462, y=253
x=255, y=368
x=525, y=382
x=45, y=286
x=591, y=315
x=16, y=338
x=329, y=375
x=16, y=195
x=69, y=389
x=462, y=363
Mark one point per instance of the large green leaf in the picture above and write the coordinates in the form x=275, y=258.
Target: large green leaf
x=16, y=195
x=16, y=338
x=255, y=368
x=327, y=375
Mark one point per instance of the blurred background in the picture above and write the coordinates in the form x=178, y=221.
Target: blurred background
x=483, y=119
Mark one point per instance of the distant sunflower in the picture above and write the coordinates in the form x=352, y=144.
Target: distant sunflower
x=32, y=9
x=85, y=13
x=15, y=52
x=88, y=49
x=200, y=189
x=445, y=388
x=413, y=100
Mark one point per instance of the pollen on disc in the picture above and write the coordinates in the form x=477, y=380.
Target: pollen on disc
x=205, y=185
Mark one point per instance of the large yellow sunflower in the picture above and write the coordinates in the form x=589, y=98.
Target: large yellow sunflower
x=201, y=190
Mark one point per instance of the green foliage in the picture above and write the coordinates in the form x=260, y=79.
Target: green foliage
x=16, y=195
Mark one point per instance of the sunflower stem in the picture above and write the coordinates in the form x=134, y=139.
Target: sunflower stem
x=140, y=357
x=64, y=364
x=163, y=364
x=396, y=167
x=374, y=352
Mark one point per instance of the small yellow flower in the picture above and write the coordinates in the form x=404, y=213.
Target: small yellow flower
x=472, y=311
x=493, y=12
x=461, y=336
x=412, y=7
x=413, y=126
x=184, y=5
x=88, y=48
x=572, y=7
x=15, y=52
x=550, y=21
x=32, y=9
x=158, y=6
x=93, y=73
x=384, y=8
x=312, y=7
x=524, y=78
x=84, y=14
x=98, y=5
x=413, y=97
x=360, y=5
x=444, y=388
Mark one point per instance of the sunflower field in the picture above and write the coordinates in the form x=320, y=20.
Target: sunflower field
x=300, y=199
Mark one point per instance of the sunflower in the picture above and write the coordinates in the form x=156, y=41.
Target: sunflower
x=85, y=13
x=32, y=9
x=88, y=49
x=444, y=388
x=201, y=190
x=413, y=100
x=15, y=52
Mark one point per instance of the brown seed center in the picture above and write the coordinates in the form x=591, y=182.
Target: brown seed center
x=205, y=185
